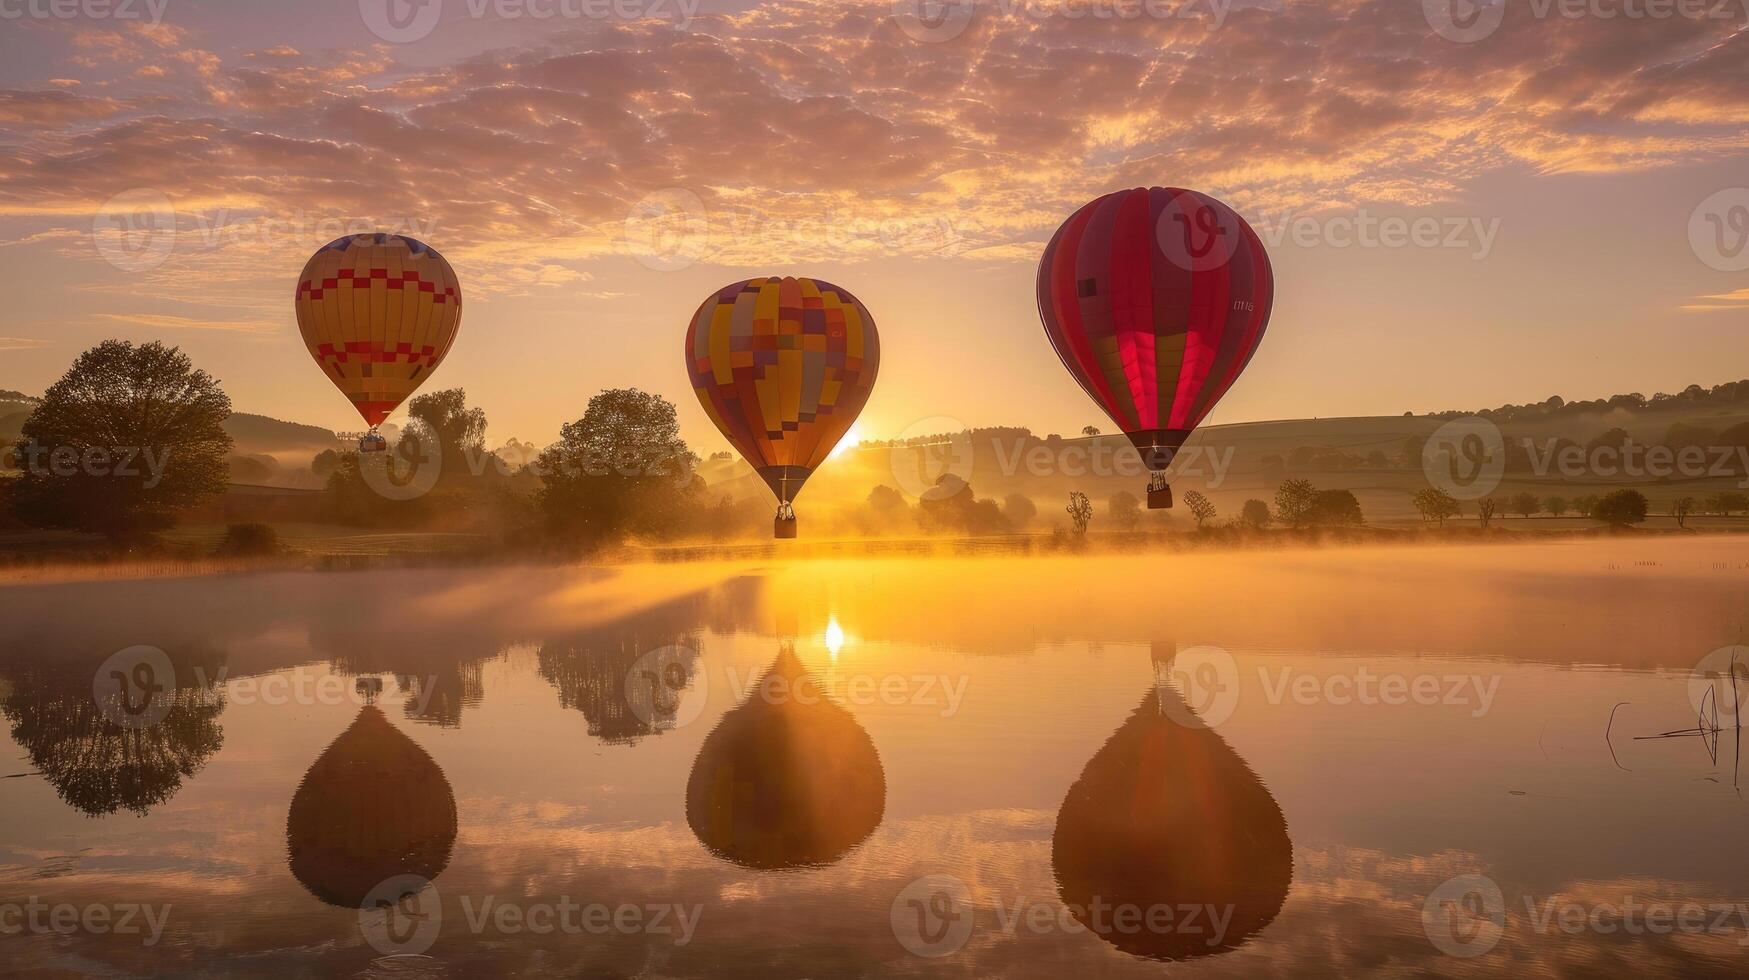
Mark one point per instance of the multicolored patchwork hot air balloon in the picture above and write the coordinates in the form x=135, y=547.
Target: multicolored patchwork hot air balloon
x=1155, y=299
x=378, y=313
x=783, y=366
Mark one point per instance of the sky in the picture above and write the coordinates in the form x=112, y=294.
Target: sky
x=1462, y=211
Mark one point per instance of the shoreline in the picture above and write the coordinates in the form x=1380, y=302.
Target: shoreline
x=25, y=568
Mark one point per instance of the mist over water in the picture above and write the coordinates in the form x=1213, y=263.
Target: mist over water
x=917, y=766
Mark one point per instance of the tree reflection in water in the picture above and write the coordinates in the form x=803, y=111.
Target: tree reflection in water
x=95, y=765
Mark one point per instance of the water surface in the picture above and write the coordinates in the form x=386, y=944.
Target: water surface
x=1401, y=761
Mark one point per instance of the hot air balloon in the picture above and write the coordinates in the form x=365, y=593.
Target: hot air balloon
x=782, y=366
x=378, y=313
x=1155, y=299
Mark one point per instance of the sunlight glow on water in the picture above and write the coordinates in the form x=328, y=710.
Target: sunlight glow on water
x=834, y=637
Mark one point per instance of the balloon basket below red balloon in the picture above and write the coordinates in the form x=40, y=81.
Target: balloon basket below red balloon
x=783, y=527
x=1160, y=499
x=373, y=444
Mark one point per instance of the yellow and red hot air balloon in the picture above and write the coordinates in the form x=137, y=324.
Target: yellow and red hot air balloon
x=378, y=313
x=1155, y=298
x=783, y=366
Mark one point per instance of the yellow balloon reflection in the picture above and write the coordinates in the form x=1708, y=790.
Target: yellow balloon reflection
x=1168, y=846
x=373, y=806
x=788, y=779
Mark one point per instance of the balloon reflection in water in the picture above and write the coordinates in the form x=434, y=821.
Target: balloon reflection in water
x=787, y=779
x=1167, y=814
x=373, y=806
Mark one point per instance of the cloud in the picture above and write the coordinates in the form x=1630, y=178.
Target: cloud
x=21, y=343
x=814, y=129
x=1737, y=299
x=164, y=321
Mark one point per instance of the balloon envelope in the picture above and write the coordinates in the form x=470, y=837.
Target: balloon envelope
x=378, y=313
x=783, y=367
x=1155, y=298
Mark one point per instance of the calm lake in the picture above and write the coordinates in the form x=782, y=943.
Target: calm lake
x=1400, y=761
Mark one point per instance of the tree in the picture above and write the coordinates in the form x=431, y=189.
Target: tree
x=885, y=500
x=1613, y=439
x=1731, y=502
x=1336, y=507
x=1620, y=508
x=1680, y=510
x=1201, y=507
x=325, y=462
x=620, y=468
x=1584, y=505
x=459, y=431
x=1090, y=430
x=1019, y=509
x=1436, y=505
x=1080, y=512
x=951, y=505
x=1485, y=510
x=1555, y=505
x=1255, y=513
x=1683, y=435
x=128, y=437
x=1525, y=504
x=1293, y=501
x=1125, y=509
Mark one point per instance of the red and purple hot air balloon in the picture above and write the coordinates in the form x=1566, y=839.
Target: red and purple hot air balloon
x=1155, y=299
